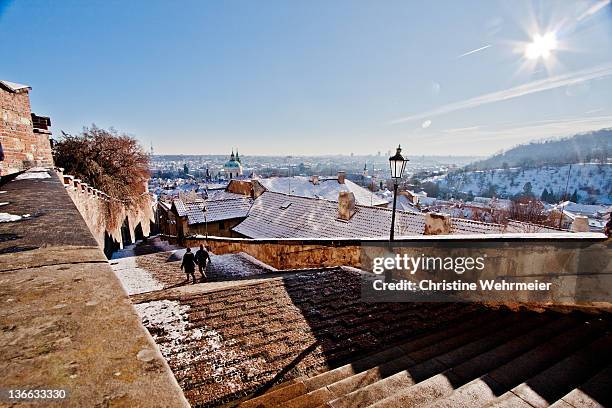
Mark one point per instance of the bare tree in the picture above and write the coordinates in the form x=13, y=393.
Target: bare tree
x=107, y=160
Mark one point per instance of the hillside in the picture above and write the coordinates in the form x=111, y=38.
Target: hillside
x=592, y=182
x=592, y=147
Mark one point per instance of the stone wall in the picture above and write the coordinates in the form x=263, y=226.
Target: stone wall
x=578, y=265
x=290, y=253
x=22, y=148
x=109, y=220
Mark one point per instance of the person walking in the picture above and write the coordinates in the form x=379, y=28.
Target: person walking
x=202, y=259
x=188, y=265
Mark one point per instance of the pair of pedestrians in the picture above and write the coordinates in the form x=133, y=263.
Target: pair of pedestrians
x=201, y=258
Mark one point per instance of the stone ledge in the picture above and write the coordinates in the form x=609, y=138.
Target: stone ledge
x=72, y=327
x=65, y=320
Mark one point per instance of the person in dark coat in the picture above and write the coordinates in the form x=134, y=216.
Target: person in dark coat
x=202, y=259
x=188, y=265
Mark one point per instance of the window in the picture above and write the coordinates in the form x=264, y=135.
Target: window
x=221, y=225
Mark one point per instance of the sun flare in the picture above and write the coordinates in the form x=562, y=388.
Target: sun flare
x=541, y=46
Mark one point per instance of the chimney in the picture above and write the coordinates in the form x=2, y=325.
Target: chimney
x=341, y=177
x=437, y=224
x=346, y=205
x=580, y=224
x=314, y=180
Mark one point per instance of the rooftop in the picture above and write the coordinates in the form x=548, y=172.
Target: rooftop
x=13, y=86
x=201, y=211
x=327, y=188
x=275, y=215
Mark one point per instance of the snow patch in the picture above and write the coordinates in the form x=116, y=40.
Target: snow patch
x=257, y=262
x=165, y=318
x=168, y=323
x=134, y=280
x=33, y=175
x=6, y=217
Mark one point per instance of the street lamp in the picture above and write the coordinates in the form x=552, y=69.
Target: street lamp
x=397, y=163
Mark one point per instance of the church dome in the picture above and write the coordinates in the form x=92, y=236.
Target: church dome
x=232, y=164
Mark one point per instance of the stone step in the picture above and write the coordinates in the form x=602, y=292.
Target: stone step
x=429, y=363
x=315, y=386
x=413, y=391
x=424, y=356
x=556, y=381
x=485, y=389
x=275, y=396
x=348, y=370
x=411, y=358
x=596, y=392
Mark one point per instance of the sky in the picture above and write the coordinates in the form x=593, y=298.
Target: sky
x=315, y=77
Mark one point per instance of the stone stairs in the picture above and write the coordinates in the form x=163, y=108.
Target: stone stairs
x=517, y=360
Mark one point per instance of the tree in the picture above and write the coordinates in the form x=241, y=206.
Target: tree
x=527, y=189
x=432, y=189
x=544, y=197
x=185, y=169
x=528, y=210
x=110, y=161
x=574, y=196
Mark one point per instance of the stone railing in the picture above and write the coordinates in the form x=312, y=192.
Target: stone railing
x=105, y=215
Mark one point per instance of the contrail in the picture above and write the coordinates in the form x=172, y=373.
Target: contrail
x=540, y=85
x=594, y=9
x=474, y=51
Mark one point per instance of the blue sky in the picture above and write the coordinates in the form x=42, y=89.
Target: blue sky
x=314, y=77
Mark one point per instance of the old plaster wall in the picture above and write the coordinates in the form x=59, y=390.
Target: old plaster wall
x=105, y=216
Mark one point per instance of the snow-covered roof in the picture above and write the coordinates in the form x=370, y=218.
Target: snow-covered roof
x=223, y=195
x=276, y=215
x=583, y=209
x=14, y=86
x=326, y=188
x=181, y=208
x=216, y=210
x=404, y=204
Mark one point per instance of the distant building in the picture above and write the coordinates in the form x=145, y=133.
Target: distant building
x=24, y=136
x=233, y=167
x=597, y=215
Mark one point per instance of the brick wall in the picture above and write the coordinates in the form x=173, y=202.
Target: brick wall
x=22, y=148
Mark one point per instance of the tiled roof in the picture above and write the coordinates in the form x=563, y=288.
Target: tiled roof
x=326, y=188
x=275, y=215
x=227, y=209
x=216, y=210
x=180, y=206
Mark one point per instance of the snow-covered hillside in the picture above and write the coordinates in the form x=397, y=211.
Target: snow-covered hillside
x=593, y=182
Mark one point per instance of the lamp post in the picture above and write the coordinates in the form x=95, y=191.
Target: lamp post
x=397, y=163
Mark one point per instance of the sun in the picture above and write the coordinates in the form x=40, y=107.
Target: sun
x=541, y=46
